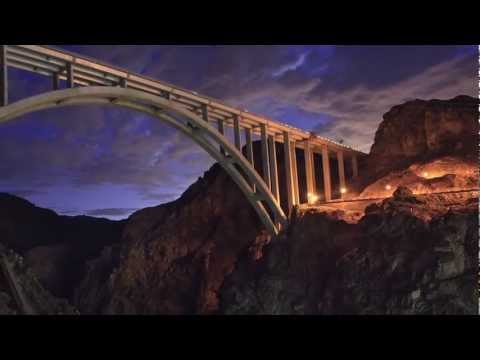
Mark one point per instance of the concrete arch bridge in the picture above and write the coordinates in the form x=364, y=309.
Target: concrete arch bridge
x=203, y=119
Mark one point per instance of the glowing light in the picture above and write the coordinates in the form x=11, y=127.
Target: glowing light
x=343, y=190
x=388, y=187
x=425, y=174
x=312, y=197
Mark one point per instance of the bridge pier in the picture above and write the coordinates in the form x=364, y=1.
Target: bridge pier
x=249, y=148
x=309, y=172
x=314, y=176
x=124, y=83
x=236, y=132
x=70, y=75
x=327, y=183
x=354, y=166
x=341, y=174
x=221, y=130
x=56, y=81
x=273, y=167
x=204, y=110
x=287, y=150
x=295, y=173
x=265, y=157
x=3, y=76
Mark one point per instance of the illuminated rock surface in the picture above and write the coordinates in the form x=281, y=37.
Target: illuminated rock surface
x=408, y=255
x=420, y=131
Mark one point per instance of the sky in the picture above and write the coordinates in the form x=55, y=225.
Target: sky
x=109, y=162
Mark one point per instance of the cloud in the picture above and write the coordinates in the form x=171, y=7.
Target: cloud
x=292, y=66
x=361, y=84
x=359, y=110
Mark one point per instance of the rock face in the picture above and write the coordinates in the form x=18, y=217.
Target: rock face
x=34, y=296
x=173, y=258
x=421, y=130
x=447, y=173
x=410, y=255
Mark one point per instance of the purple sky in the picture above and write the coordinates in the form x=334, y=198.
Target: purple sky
x=108, y=162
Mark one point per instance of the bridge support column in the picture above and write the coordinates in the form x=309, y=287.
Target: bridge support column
x=221, y=130
x=56, y=81
x=327, y=183
x=273, y=167
x=287, y=149
x=354, y=166
x=295, y=173
x=265, y=157
x=70, y=76
x=341, y=174
x=314, y=176
x=3, y=76
x=236, y=132
x=249, y=143
x=309, y=172
x=204, y=112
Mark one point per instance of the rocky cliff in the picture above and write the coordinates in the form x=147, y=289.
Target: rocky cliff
x=174, y=258
x=21, y=292
x=408, y=255
x=420, y=131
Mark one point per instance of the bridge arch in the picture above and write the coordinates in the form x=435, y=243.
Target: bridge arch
x=190, y=124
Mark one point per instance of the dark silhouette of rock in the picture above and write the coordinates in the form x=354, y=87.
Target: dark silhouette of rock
x=402, y=193
x=55, y=247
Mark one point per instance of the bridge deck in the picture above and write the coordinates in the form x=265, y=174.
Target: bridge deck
x=53, y=62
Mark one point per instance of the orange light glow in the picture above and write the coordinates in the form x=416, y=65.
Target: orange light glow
x=388, y=187
x=312, y=198
x=343, y=190
x=425, y=174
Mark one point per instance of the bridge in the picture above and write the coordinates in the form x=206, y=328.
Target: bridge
x=203, y=119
